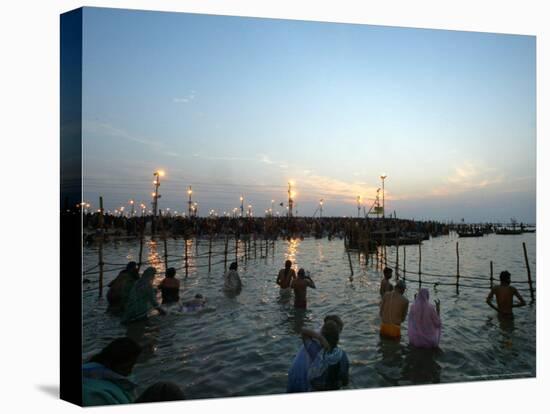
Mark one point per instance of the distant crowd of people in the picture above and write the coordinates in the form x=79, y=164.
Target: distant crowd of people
x=320, y=364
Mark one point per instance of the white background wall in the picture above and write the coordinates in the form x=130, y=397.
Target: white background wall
x=29, y=151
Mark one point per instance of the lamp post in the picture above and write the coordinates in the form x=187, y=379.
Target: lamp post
x=321, y=208
x=242, y=206
x=132, y=204
x=156, y=196
x=358, y=206
x=190, y=202
x=249, y=210
x=383, y=177
x=290, y=198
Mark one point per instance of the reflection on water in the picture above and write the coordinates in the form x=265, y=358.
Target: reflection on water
x=243, y=345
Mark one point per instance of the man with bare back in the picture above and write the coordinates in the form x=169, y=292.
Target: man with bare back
x=505, y=296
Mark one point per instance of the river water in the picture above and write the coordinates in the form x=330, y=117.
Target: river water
x=245, y=345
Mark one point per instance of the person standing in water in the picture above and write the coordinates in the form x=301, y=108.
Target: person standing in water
x=393, y=311
x=120, y=287
x=142, y=298
x=424, y=326
x=300, y=285
x=231, y=280
x=505, y=296
x=385, y=285
x=286, y=276
x=170, y=287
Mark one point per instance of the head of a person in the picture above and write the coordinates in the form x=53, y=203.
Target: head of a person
x=288, y=265
x=423, y=295
x=161, y=391
x=233, y=266
x=388, y=273
x=119, y=356
x=400, y=286
x=170, y=272
x=505, y=277
x=302, y=273
x=149, y=274
x=336, y=319
x=331, y=333
x=131, y=266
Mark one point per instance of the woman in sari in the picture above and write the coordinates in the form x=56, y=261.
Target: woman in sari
x=142, y=298
x=424, y=326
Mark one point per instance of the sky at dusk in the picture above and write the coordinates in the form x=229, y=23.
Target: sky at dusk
x=235, y=106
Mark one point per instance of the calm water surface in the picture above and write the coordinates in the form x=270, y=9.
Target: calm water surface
x=245, y=345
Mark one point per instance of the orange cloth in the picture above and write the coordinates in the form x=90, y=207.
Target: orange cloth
x=389, y=330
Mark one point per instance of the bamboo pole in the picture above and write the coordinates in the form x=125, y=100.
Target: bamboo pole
x=165, y=253
x=225, y=253
x=350, y=264
x=186, y=257
x=457, y=269
x=140, y=249
x=419, y=263
x=528, y=273
x=210, y=254
x=100, y=252
x=491, y=278
x=397, y=261
x=404, y=263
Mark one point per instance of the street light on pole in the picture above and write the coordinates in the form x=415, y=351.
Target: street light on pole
x=190, y=202
x=156, y=196
x=291, y=195
x=321, y=201
x=358, y=206
x=242, y=206
x=383, y=177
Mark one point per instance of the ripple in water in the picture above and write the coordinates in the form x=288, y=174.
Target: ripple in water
x=244, y=345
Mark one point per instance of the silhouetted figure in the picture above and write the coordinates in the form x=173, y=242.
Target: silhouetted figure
x=505, y=296
x=170, y=287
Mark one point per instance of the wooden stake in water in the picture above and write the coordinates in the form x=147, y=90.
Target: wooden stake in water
x=457, y=268
x=210, y=254
x=419, y=263
x=186, y=257
x=491, y=278
x=165, y=253
x=404, y=263
x=350, y=265
x=225, y=253
x=397, y=261
x=100, y=252
x=528, y=273
x=140, y=249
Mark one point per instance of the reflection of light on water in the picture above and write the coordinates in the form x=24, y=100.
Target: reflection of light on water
x=154, y=259
x=292, y=250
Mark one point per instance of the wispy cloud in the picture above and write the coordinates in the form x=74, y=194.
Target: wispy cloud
x=184, y=99
x=468, y=176
x=265, y=159
x=106, y=129
x=333, y=188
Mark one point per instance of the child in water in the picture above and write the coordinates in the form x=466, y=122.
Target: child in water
x=195, y=304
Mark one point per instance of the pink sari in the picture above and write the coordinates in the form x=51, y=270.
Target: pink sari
x=424, y=326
